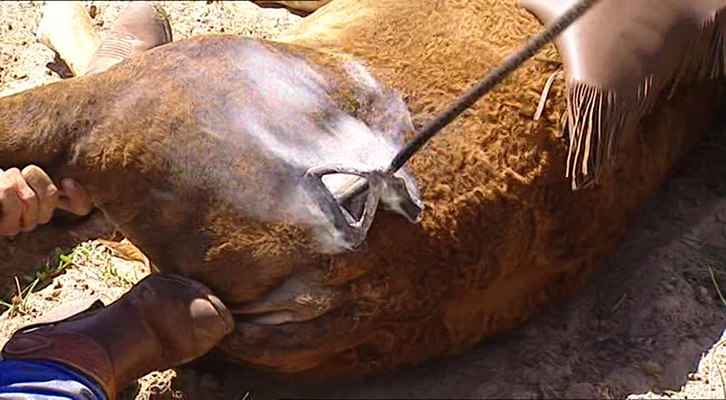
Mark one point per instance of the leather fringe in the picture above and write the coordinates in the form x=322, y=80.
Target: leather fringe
x=598, y=119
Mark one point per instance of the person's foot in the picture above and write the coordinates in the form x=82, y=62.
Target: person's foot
x=141, y=26
x=162, y=322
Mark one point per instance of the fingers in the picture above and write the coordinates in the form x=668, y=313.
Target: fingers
x=28, y=198
x=46, y=192
x=11, y=207
x=74, y=198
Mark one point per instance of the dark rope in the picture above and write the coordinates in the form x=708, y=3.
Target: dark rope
x=475, y=93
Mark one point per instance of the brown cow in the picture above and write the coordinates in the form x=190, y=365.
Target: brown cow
x=196, y=149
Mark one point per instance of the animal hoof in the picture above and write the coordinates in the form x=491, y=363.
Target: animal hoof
x=66, y=28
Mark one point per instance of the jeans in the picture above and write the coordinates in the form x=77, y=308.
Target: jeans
x=46, y=380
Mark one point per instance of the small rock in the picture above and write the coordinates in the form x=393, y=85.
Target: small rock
x=703, y=296
x=580, y=390
x=652, y=368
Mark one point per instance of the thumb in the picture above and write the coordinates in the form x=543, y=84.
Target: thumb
x=74, y=197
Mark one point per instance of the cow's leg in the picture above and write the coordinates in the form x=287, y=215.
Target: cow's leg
x=66, y=28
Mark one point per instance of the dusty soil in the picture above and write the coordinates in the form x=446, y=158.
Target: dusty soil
x=650, y=325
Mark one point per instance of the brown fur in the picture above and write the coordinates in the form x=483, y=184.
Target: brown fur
x=503, y=235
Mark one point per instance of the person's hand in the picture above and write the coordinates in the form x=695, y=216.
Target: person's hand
x=28, y=198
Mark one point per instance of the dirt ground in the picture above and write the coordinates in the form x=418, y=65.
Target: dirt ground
x=650, y=325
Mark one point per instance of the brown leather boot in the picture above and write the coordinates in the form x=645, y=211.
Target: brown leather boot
x=162, y=322
x=141, y=26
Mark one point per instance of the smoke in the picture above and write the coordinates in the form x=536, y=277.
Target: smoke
x=277, y=116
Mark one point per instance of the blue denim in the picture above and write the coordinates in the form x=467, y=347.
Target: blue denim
x=45, y=380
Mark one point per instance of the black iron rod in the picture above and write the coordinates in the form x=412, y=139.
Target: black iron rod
x=476, y=92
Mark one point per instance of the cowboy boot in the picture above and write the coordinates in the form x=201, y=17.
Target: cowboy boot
x=162, y=322
x=141, y=26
